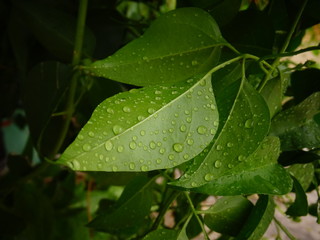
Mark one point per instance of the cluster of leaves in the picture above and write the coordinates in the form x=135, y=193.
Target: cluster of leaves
x=192, y=101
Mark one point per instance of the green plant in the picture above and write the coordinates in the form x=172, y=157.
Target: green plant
x=202, y=104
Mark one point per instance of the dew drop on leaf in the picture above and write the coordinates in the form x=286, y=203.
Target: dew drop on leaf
x=132, y=145
x=86, y=147
x=201, y=130
x=217, y=164
x=144, y=168
x=126, y=109
x=108, y=145
x=208, y=177
x=178, y=147
x=91, y=134
x=120, y=149
x=171, y=156
x=183, y=128
x=132, y=166
x=248, y=123
x=117, y=129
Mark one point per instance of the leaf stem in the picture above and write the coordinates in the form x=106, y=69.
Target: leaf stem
x=82, y=13
x=196, y=215
x=284, y=47
x=284, y=229
x=222, y=65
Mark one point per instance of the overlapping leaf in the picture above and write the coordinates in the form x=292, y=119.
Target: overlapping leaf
x=178, y=45
x=296, y=126
x=130, y=211
x=300, y=205
x=259, y=173
x=146, y=129
x=259, y=219
x=244, y=122
x=228, y=214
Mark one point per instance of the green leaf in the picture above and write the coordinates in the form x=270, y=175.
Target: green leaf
x=44, y=89
x=228, y=215
x=259, y=173
x=296, y=127
x=304, y=173
x=177, y=46
x=244, y=122
x=146, y=129
x=272, y=94
x=259, y=219
x=130, y=211
x=54, y=29
x=300, y=205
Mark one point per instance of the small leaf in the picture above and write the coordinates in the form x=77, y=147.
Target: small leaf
x=228, y=215
x=177, y=46
x=244, y=122
x=304, y=173
x=259, y=219
x=296, y=127
x=130, y=211
x=146, y=129
x=300, y=205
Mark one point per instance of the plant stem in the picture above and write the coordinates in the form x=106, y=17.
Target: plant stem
x=222, y=65
x=284, y=229
x=196, y=215
x=82, y=13
x=284, y=46
x=163, y=209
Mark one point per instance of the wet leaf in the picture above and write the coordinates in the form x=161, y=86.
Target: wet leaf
x=300, y=205
x=272, y=94
x=259, y=219
x=244, y=122
x=177, y=46
x=146, y=129
x=296, y=126
x=304, y=173
x=130, y=211
x=228, y=214
x=259, y=173
x=167, y=234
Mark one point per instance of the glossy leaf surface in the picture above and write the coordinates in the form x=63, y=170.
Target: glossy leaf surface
x=304, y=173
x=259, y=173
x=244, y=122
x=272, y=94
x=130, y=211
x=228, y=215
x=300, y=205
x=177, y=46
x=146, y=129
x=259, y=219
x=296, y=127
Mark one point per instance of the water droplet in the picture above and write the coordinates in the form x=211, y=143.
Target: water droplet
x=193, y=184
x=183, y=128
x=213, y=131
x=230, y=165
x=186, y=156
x=144, y=168
x=75, y=165
x=86, y=147
x=114, y=168
x=110, y=110
x=217, y=164
x=91, y=134
x=201, y=130
x=132, y=145
x=194, y=63
x=162, y=150
x=157, y=92
x=189, y=119
x=219, y=147
x=142, y=132
x=140, y=118
x=229, y=144
x=117, y=129
x=132, y=166
x=199, y=93
x=171, y=156
x=216, y=123
x=241, y=158
x=108, y=145
x=152, y=145
x=126, y=109
x=177, y=147
x=80, y=137
x=190, y=141
x=120, y=149
x=158, y=161
x=208, y=177
x=248, y=123
x=151, y=110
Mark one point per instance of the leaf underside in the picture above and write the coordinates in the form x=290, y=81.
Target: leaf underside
x=146, y=129
x=177, y=46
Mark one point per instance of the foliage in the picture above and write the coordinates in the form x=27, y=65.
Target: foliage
x=118, y=116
